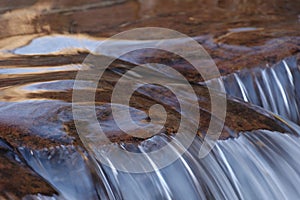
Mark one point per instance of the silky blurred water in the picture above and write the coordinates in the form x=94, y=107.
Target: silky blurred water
x=43, y=45
x=260, y=164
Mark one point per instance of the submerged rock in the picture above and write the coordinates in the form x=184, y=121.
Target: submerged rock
x=41, y=153
x=44, y=133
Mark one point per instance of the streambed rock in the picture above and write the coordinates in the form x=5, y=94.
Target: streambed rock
x=44, y=126
x=36, y=120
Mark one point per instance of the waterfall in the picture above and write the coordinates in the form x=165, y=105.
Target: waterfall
x=258, y=164
x=272, y=88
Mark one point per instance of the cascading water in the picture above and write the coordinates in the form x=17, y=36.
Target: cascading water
x=43, y=46
x=272, y=88
x=261, y=164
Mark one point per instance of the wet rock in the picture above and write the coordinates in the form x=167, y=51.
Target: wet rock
x=17, y=179
x=36, y=114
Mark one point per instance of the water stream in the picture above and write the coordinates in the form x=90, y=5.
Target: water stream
x=260, y=164
x=272, y=88
x=43, y=45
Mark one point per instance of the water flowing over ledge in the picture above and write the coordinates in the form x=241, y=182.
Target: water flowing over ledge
x=272, y=88
x=259, y=163
x=43, y=45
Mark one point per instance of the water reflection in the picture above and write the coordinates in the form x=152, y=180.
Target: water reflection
x=42, y=45
x=9, y=71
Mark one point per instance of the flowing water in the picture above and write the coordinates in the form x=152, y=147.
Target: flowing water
x=43, y=157
x=273, y=88
x=261, y=163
